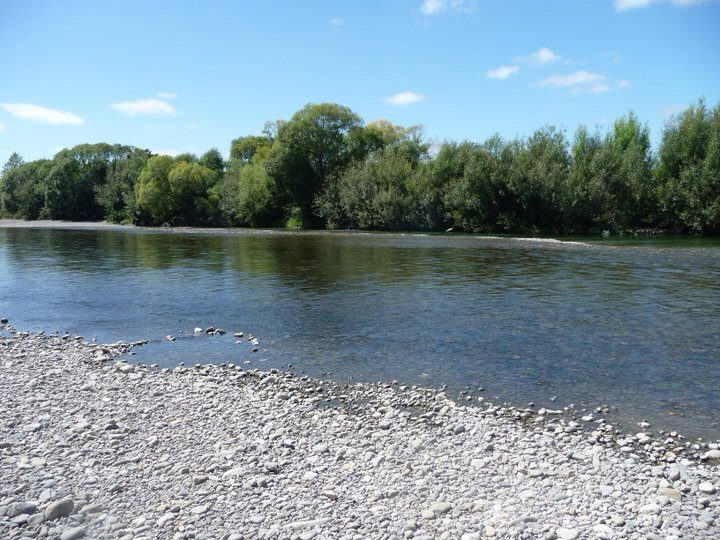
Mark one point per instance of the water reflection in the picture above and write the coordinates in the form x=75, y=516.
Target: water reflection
x=631, y=325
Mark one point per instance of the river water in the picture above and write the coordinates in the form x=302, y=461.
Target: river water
x=632, y=323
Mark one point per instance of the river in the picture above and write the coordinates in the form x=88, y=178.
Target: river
x=633, y=324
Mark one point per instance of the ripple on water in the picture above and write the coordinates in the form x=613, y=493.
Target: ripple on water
x=628, y=323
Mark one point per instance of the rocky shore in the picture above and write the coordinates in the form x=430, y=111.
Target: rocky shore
x=99, y=448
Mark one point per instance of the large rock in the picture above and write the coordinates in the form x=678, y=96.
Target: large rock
x=73, y=533
x=124, y=367
x=440, y=508
x=707, y=488
x=24, y=507
x=567, y=534
x=59, y=509
x=670, y=493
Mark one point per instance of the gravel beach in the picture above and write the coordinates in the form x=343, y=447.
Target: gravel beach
x=98, y=448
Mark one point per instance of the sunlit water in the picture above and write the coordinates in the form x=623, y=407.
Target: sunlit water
x=632, y=324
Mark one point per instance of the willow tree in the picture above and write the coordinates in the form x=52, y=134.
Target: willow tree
x=689, y=170
x=311, y=148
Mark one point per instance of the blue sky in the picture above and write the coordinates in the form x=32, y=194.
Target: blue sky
x=178, y=75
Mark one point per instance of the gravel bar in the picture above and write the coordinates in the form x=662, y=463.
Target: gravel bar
x=99, y=448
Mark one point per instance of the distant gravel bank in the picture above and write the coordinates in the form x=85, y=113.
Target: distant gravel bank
x=51, y=224
x=103, y=449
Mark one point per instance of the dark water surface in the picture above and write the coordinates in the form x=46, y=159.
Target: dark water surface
x=635, y=324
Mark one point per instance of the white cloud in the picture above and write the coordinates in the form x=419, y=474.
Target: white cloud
x=404, y=98
x=624, y=5
x=432, y=7
x=337, y=21
x=503, y=72
x=167, y=95
x=44, y=115
x=436, y=7
x=144, y=106
x=542, y=56
x=584, y=82
x=579, y=82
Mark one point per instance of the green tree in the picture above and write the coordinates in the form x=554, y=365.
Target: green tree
x=473, y=180
x=9, y=181
x=585, y=200
x=536, y=179
x=380, y=134
x=619, y=186
x=213, y=160
x=310, y=149
x=116, y=196
x=189, y=193
x=65, y=191
x=22, y=189
x=14, y=162
x=243, y=149
x=187, y=157
x=249, y=196
x=175, y=193
x=689, y=170
x=634, y=186
x=152, y=192
x=378, y=193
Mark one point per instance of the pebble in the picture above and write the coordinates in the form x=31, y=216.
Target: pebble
x=603, y=531
x=73, y=533
x=35, y=519
x=670, y=493
x=440, y=508
x=651, y=508
x=59, y=509
x=567, y=534
x=707, y=487
x=24, y=507
x=120, y=450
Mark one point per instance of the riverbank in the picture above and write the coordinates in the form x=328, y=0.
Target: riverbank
x=56, y=224
x=105, y=449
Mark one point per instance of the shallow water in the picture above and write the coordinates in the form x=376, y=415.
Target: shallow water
x=629, y=323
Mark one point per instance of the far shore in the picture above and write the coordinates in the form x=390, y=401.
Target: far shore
x=107, y=226
x=55, y=224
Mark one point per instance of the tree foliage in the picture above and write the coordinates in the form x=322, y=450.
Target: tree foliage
x=116, y=196
x=249, y=196
x=378, y=193
x=689, y=170
x=243, y=149
x=311, y=148
x=213, y=160
x=330, y=169
x=176, y=192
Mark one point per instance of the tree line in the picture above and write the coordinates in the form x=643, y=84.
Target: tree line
x=326, y=168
